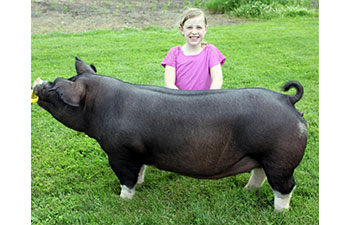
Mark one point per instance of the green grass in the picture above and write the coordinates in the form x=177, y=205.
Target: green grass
x=72, y=182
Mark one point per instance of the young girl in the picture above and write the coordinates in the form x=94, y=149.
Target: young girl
x=196, y=65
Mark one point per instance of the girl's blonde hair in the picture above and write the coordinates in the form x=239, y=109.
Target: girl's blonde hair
x=191, y=13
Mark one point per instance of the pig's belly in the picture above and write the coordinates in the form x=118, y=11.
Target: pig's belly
x=207, y=162
x=202, y=171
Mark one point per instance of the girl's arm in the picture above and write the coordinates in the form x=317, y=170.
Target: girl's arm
x=216, y=76
x=169, y=77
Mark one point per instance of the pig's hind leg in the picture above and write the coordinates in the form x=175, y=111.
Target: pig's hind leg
x=282, y=182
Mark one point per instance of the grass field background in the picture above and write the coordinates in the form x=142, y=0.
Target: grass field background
x=72, y=182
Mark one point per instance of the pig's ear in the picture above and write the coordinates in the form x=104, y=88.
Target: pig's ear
x=82, y=67
x=93, y=67
x=70, y=92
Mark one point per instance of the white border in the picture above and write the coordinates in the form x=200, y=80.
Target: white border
x=334, y=111
x=15, y=112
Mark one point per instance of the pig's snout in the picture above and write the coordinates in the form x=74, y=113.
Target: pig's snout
x=38, y=85
x=38, y=81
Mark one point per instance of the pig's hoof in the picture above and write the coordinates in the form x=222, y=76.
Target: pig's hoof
x=250, y=188
x=127, y=193
x=281, y=210
x=126, y=196
x=281, y=201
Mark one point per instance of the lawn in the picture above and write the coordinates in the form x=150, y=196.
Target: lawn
x=72, y=182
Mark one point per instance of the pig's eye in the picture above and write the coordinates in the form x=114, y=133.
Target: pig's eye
x=53, y=87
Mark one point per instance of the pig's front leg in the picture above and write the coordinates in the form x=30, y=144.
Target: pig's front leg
x=127, y=173
x=127, y=193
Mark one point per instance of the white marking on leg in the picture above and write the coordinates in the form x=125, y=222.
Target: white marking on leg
x=141, y=177
x=282, y=201
x=256, y=180
x=126, y=192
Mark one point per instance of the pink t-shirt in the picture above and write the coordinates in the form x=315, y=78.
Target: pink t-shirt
x=193, y=71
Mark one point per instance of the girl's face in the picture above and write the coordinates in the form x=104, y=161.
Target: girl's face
x=194, y=30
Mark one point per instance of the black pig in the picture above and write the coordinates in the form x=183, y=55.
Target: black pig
x=203, y=134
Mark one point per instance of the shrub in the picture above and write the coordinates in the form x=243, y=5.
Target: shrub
x=255, y=10
x=223, y=6
x=295, y=11
x=265, y=9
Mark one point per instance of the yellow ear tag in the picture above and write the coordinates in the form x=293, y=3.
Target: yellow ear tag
x=33, y=98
